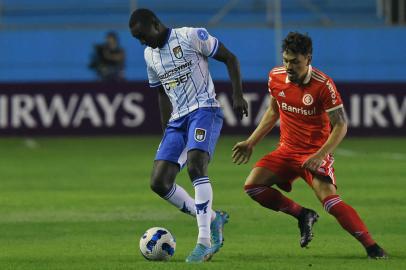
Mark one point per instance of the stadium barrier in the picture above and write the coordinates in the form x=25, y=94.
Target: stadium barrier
x=62, y=109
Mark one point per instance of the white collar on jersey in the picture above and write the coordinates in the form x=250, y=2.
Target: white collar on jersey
x=307, y=78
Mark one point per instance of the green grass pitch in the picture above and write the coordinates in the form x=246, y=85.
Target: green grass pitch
x=83, y=203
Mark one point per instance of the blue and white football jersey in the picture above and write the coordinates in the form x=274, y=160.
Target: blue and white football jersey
x=181, y=67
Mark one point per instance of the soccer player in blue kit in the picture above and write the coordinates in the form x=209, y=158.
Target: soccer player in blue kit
x=177, y=63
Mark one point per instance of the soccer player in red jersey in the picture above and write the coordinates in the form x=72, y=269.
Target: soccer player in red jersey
x=312, y=124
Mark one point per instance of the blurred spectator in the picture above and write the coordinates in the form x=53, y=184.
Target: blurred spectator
x=108, y=59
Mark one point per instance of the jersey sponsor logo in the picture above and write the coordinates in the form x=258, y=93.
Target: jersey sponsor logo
x=332, y=92
x=177, y=81
x=297, y=110
x=200, y=134
x=177, y=51
x=202, y=34
x=281, y=94
x=175, y=70
x=307, y=99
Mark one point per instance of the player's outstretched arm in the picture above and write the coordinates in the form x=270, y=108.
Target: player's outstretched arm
x=242, y=151
x=240, y=105
x=339, y=124
x=165, y=107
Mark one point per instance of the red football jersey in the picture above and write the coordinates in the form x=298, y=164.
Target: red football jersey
x=304, y=123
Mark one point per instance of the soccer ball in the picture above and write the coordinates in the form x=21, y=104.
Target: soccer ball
x=157, y=244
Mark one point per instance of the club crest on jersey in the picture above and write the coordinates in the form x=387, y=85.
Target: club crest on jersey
x=307, y=99
x=177, y=51
x=200, y=134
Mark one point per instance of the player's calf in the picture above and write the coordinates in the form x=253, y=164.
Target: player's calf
x=273, y=199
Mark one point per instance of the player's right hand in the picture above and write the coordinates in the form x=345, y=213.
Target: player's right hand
x=240, y=106
x=242, y=152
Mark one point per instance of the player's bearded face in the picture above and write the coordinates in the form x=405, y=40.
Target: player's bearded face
x=296, y=65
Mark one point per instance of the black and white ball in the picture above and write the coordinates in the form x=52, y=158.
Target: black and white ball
x=157, y=244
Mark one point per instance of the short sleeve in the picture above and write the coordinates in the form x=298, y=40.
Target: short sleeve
x=152, y=75
x=203, y=42
x=330, y=97
x=270, y=83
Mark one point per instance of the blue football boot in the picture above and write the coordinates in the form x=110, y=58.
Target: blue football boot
x=199, y=254
x=216, y=228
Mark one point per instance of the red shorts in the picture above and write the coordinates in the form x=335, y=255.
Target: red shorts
x=287, y=165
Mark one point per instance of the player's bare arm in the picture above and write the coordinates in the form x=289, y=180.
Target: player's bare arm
x=339, y=124
x=165, y=107
x=240, y=105
x=242, y=151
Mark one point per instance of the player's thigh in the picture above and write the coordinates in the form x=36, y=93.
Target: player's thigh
x=322, y=181
x=323, y=186
x=262, y=176
x=204, y=129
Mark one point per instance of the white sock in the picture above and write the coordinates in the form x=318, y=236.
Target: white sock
x=203, y=203
x=179, y=197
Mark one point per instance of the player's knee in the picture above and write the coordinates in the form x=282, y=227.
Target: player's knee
x=251, y=190
x=195, y=171
x=197, y=164
x=159, y=187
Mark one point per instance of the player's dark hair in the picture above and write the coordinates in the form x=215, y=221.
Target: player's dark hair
x=297, y=43
x=143, y=15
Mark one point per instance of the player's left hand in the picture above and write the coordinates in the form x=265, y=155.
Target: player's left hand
x=314, y=162
x=240, y=106
x=242, y=152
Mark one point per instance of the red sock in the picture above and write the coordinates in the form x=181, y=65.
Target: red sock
x=273, y=199
x=348, y=219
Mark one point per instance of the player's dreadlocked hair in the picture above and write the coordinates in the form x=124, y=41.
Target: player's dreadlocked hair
x=143, y=15
x=296, y=42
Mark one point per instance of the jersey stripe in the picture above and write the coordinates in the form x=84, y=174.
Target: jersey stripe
x=214, y=49
x=162, y=64
x=197, y=55
x=155, y=84
x=319, y=74
x=174, y=65
x=279, y=72
x=278, y=68
x=317, y=79
x=197, y=92
x=191, y=77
